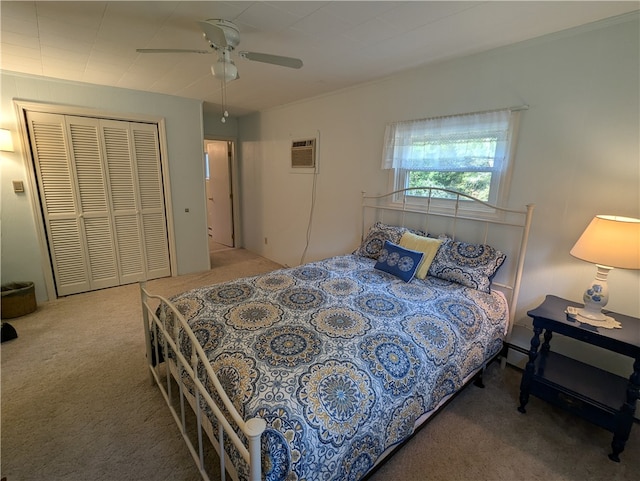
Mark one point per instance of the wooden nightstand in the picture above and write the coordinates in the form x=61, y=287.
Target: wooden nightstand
x=599, y=396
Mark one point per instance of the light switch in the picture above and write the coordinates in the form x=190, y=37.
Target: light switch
x=18, y=186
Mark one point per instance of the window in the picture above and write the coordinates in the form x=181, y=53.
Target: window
x=470, y=153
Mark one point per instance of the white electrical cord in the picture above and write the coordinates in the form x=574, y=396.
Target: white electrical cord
x=313, y=203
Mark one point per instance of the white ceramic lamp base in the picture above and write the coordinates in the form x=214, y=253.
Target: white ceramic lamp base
x=595, y=298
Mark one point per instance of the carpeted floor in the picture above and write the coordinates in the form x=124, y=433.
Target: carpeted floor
x=77, y=405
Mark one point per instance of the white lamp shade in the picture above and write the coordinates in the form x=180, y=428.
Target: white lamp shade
x=611, y=241
x=224, y=70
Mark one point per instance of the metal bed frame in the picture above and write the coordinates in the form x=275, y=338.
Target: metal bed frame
x=430, y=206
x=160, y=338
x=252, y=428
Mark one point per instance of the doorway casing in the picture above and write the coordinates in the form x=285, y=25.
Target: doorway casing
x=233, y=218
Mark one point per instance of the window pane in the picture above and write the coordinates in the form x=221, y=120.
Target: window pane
x=475, y=184
x=455, y=154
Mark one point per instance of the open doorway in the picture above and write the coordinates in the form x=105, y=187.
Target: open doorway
x=219, y=191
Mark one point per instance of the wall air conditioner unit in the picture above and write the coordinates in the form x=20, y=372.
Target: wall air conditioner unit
x=303, y=154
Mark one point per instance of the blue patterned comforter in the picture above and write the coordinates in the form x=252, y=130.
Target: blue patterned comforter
x=341, y=359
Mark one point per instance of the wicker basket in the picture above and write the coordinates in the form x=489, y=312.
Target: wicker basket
x=18, y=299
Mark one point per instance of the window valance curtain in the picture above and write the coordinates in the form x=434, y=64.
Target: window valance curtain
x=476, y=141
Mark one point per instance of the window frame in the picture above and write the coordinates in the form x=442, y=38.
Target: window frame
x=498, y=189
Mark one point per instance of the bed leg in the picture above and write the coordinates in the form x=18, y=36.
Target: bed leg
x=477, y=380
x=504, y=353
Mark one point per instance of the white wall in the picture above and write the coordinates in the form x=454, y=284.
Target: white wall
x=21, y=259
x=214, y=128
x=578, y=153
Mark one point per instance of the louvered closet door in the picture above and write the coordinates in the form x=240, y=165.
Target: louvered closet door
x=152, y=208
x=135, y=179
x=57, y=196
x=95, y=215
x=73, y=195
x=100, y=182
x=119, y=158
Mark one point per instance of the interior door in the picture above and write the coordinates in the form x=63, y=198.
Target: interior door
x=152, y=208
x=74, y=201
x=118, y=155
x=100, y=187
x=219, y=197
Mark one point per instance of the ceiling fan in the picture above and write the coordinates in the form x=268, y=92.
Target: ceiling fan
x=223, y=37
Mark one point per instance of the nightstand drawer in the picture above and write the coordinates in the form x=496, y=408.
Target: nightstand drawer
x=596, y=413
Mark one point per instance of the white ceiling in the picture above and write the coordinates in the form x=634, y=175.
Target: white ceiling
x=342, y=43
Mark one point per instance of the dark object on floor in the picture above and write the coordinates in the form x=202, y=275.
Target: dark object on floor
x=18, y=299
x=8, y=332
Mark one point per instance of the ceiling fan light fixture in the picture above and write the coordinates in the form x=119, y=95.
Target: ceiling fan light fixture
x=225, y=70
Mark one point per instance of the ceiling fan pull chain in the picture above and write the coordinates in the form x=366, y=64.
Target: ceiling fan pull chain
x=225, y=114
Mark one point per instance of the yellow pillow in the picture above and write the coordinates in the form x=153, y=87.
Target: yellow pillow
x=419, y=243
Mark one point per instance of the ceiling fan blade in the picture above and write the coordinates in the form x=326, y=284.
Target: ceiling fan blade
x=214, y=33
x=273, y=59
x=170, y=50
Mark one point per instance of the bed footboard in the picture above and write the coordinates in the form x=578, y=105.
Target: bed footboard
x=189, y=361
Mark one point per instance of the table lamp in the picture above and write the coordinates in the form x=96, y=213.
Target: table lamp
x=608, y=241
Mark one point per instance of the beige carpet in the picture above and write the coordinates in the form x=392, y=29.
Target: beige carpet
x=77, y=405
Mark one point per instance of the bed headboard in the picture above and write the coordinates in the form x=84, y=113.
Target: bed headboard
x=461, y=217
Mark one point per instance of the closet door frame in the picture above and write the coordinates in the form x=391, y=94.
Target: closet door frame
x=21, y=108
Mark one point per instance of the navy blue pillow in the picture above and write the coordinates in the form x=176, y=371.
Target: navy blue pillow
x=400, y=262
